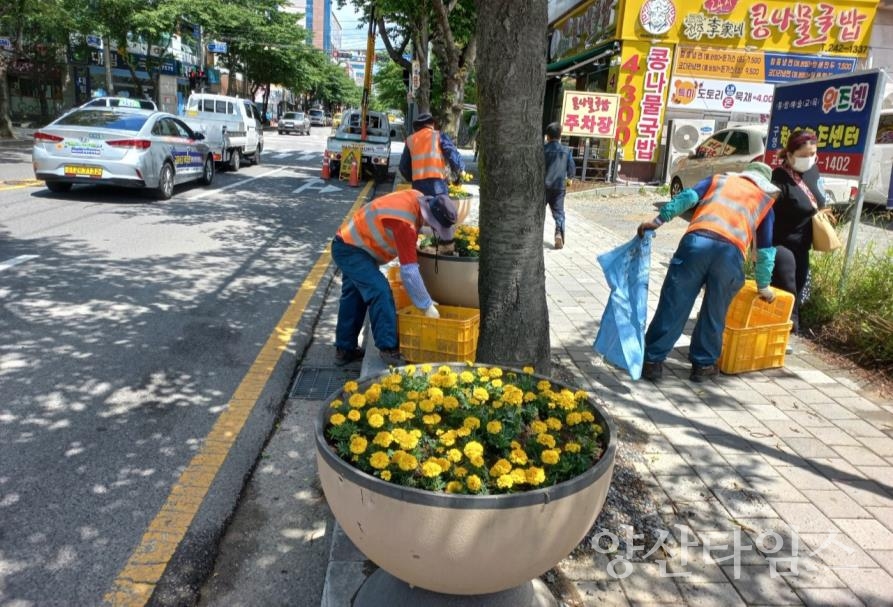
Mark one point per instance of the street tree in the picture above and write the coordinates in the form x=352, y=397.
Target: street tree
x=514, y=315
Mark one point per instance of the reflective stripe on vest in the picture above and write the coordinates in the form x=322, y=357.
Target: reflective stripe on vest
x=366, y=231
x=733, y=207
x=427, y=156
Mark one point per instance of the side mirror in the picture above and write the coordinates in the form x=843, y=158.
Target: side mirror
x=198, y=136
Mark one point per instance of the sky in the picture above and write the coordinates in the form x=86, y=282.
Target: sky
x=351, y=37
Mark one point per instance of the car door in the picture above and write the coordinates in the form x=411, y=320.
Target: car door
x=251, y=126
x=737, y=153
x=162, y=146
x=705, y=160
x=191, y=151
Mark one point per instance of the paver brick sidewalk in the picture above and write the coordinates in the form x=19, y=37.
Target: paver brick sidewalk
x=775, y=487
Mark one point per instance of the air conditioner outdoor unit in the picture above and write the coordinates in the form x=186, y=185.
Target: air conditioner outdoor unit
x=683, y=137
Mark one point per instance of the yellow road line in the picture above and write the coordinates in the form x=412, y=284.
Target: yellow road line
x=137, y=580
x=15, y=184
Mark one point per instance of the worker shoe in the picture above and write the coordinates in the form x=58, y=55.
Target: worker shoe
x=559, y=241
x=653, y=371
x=345, y=357
x=392, y=358
x=701, y=373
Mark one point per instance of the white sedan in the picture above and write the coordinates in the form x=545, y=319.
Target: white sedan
x=124, y=147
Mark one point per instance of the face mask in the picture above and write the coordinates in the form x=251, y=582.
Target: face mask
x=803, y=163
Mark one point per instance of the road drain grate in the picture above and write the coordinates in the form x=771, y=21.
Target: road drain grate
x=317, y=383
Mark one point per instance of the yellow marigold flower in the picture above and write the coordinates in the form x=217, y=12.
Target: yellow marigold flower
x=528, y=370
x=546, y=439
x=517, y=456
x=473, y=483
x=373, y=393
x=496, y=383
x=495, y=372
x=379, y=460
x=581, y=394
x=572, y=447
x=463, y=431
x=357, y=401
x=500, y=467
x=385, y=475
x=471, y=422
x=431, y=468
x=427, y=406
x=453, y=487
x=535, y=476
x=336, y=403
x=351, y=386
x=550, y=456
x=477, y=461
x=431, y=420
x=515, y=444
x=448, y=439
x=397, y=416
x=466, y=377
x=513, y=395
x=409, y=370
x=435, y=393
x=505, y=481
x=376, y=420
x=597, y=429
x=483, y=372
x=460, y=472
x=529, y=396
x=337, y=419
x=573, y=418
x=383, y=439
x=454, y=455
x=566, y=400
x=426, y=368
x=481, y=394
x=408, y=406
x=553, y=423
x=450, y=381
x=543, y=385
x=444, y=463
x=408, y=463
x=494, y=427
x=519, y=476
x=358, y=444
x=406, y=440
x=538, y=427
x=588, y=416
x=450, y=403
x=354, y=415
x=413, y=395
x=473, y=449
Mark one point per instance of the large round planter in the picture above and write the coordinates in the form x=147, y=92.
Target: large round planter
x=463, y=544
x=451, y=281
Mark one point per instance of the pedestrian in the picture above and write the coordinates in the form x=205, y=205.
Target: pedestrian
x=560, y=170
x=380, y=231
x=425, y=158
x=801, y=197
x=730, y=211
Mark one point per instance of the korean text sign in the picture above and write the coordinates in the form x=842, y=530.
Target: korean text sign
x=586, y=114
x=838, y=110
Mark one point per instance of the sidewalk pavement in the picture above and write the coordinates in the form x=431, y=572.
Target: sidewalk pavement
x=773, y=487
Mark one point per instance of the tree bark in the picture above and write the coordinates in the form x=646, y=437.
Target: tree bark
x=5, y=109
x=511, y=70
x=456, y=64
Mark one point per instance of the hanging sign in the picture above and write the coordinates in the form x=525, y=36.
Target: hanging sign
x=585, y=114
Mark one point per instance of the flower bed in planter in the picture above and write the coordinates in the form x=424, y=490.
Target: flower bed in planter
x=452, y=278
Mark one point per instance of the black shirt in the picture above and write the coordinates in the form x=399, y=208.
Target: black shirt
x=793, y=209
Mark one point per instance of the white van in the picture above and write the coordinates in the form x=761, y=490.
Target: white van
x=232, y=127
x=880, y=165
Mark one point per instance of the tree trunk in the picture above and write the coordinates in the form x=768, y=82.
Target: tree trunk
x=456, y=64
x=5, y=120
x=511, y=69
x=420, y=54
x=107, y=62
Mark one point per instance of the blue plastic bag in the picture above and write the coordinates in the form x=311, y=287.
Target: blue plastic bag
x=621, y=334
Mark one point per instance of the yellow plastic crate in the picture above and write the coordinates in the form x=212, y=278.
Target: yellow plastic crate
x=756, y=333
x=401, y=297
x=451, y=338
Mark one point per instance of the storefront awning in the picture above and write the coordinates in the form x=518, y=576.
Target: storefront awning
x=560, y=68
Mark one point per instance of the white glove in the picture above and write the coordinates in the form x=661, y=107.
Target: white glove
x=431, y=312
x=767, y=294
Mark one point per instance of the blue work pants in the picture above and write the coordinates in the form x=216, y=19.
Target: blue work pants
x=555, y=200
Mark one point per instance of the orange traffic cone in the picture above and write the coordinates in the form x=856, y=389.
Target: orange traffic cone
x=326, y=170
x=354, y=174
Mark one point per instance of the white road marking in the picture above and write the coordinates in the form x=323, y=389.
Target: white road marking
x=308, y=155
x=233, y=185
x=5, y=265
x=316, y=183
x=282, y=155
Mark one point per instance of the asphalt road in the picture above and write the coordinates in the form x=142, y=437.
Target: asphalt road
x=126, y=327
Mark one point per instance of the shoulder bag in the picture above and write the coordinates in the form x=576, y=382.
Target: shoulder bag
x=824, y=236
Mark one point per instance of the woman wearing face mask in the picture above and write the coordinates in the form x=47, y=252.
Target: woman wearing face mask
x=801, y=197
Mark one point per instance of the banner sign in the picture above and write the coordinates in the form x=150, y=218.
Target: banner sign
x=585, y=114
x=838, y=110
x=721, y=95
x=593, y=23
x=642, y=81
x=756, y=66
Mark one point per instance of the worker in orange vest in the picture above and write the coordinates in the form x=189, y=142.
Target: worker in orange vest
x=426, y=155
x=730, y=211
x=380, y=231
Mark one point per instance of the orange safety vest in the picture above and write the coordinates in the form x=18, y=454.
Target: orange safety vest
x=427, y=156
x=733, y=207
x=366, y=230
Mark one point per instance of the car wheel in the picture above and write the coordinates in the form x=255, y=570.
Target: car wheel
x=235, y=160
x=675, y=186
x=165, y=182
x=208, y=171
x=58, y=187
x=257, y=152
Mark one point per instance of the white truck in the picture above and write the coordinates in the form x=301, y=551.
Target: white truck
x=232, y=127
x=376, y=154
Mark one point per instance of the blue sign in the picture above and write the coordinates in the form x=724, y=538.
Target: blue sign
x=788, y=67
x=5, y=43
x=217, y=47
x=838, y=110
x=94, y=41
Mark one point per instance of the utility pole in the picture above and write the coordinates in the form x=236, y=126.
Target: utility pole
x=367, y=77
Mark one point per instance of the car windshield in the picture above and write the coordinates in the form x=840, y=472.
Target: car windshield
x=105, y=119
x=316, y=112
x=293, y=116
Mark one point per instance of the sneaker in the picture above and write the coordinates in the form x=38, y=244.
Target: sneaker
x=789, y=349
x=345, y=357
x=703, y=373
x=392, y=358
x=652, y=371
x=559, y=241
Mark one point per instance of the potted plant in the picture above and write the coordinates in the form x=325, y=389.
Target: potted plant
x=451, y=273
x=464, y=479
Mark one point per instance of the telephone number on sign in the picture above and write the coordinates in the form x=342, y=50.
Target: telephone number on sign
x=840, y=164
